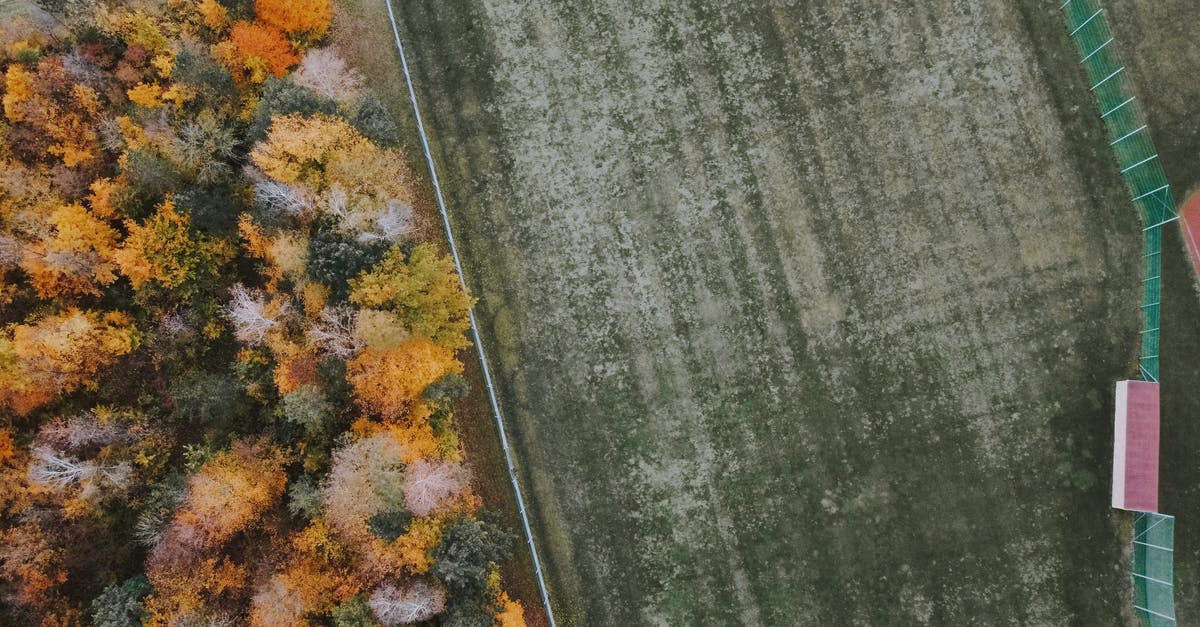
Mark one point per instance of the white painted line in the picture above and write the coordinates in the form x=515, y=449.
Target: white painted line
x=1154, y=546
x=1147, y=529
x=483, y=362
x=1157, y=581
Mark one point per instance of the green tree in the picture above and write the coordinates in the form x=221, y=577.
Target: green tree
x=281, y=96
x=308, y=408
x=374, y=121
x=334, y=258
x=120, y=605
x=470, y=549
x=354, y=612
x=213, y=400
x=304, y=498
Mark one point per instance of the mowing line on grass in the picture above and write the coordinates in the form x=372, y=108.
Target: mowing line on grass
x=483, y=362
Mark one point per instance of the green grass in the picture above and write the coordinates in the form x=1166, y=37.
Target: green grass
x=808, y=313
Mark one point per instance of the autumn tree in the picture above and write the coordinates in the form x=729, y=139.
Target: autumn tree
x=75, y=257
x=423, y=289
x=299, y=148
x=59, y=353
x=163, y=252
x=52, y=114
x=386, y=382
x=194, y=594
x=226, y=495
x=305, y=19
x=255, y=51
x=511, y=614
x=31, y=564
x=15, y=495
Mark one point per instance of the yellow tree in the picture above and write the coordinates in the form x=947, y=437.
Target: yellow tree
x=163, y=250
x=386, y=382
x=63, y=115
x=59, y=353
x=512, y=614
x=424, y=290
x=76, y=256
x=299, y=148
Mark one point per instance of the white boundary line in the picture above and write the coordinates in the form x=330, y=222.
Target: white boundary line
x=483, y=362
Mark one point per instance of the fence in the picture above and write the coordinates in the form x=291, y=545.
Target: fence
x=1137, y=158
x=483, y=362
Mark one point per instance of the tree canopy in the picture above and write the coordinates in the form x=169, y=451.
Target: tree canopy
x=227, y=355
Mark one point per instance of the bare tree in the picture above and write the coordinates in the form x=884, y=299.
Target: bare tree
x=324, y=71
x=80, y=432
x=283, y=198
x=414, y=603
x=10, y=250
x=333, y=332
x=274, y=604
x=392, y=222
x=427, y=484
x=59, y=471
x=251, y=315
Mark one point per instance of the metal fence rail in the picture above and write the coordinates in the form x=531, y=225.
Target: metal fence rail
x=483, y=361
x=1137, y=159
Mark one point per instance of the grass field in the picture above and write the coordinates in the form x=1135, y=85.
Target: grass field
x=809, y=313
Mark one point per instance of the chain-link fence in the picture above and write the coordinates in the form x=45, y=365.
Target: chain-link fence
x=1137, y=159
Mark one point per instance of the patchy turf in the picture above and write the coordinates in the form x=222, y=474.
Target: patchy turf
x=809, y=313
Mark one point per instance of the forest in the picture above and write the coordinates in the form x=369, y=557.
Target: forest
x=229, y=352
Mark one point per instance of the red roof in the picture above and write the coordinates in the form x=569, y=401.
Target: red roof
x=1135, y=447
x=1191, y=228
